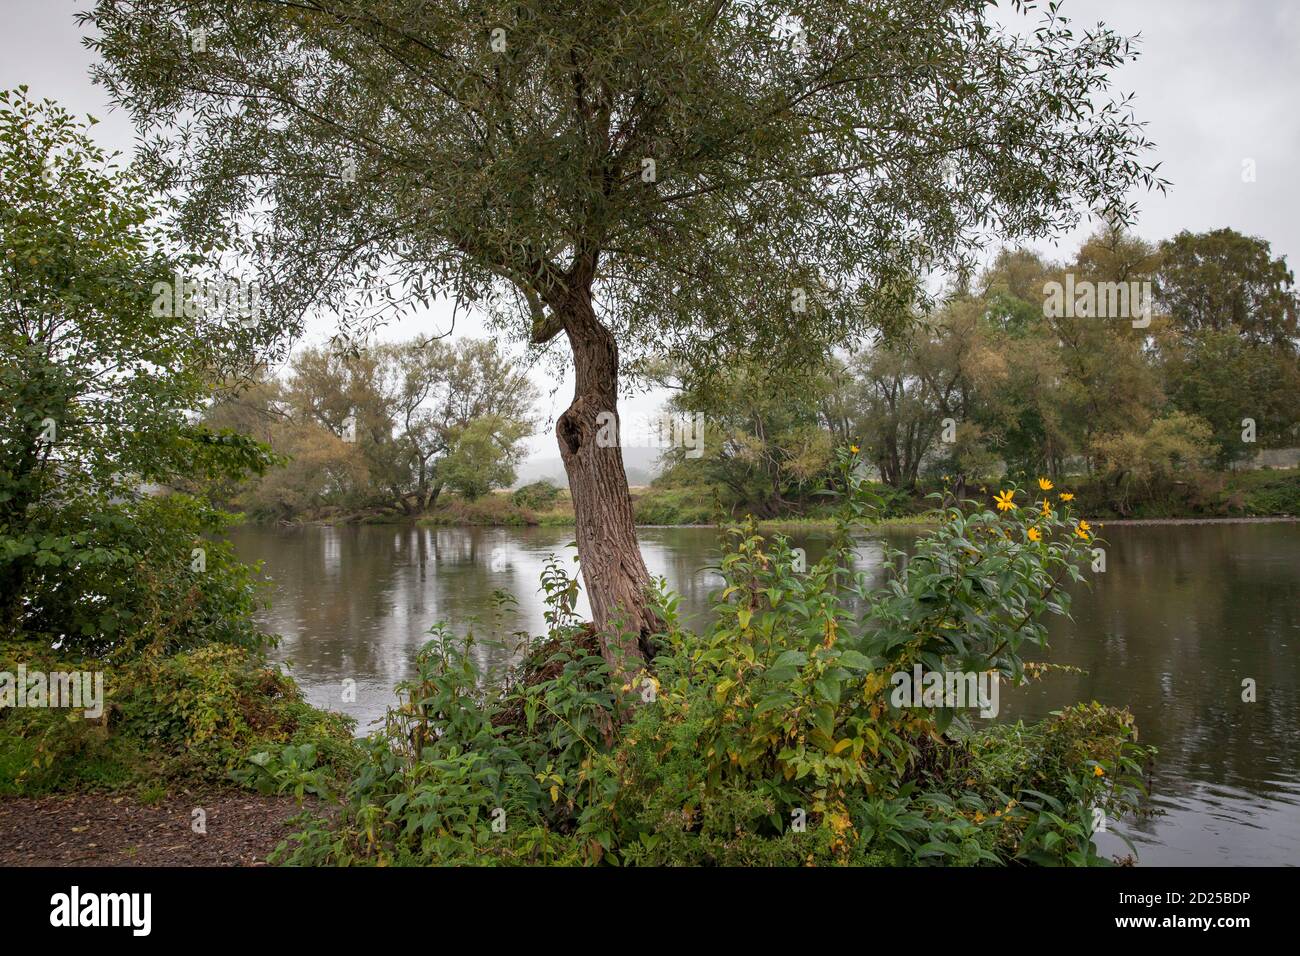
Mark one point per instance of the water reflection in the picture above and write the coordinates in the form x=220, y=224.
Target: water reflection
x=1182, y=615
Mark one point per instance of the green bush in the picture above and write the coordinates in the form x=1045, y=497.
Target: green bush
x=104, y=578
x=538, y=496
x=1251, y=493
x=660, y=505
x=194, y=715
x=1270, y=492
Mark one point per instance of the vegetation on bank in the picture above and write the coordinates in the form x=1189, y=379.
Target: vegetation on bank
x=1152, y=414
x=97, y=391
x=771, y=737
x=1149, y=413
x=380, y=432
x=1206, y=494
x=196, y=716
x=1194, y=494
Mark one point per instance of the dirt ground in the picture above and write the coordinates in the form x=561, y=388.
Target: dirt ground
x=120, y=830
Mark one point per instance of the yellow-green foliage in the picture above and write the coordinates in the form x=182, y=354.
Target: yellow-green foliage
x=195, y=715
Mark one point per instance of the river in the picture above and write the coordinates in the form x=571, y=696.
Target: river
x=1183, y=614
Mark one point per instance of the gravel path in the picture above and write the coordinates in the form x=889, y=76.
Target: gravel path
x=118, y=830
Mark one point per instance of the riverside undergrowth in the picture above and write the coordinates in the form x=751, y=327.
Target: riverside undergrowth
x=773, y=735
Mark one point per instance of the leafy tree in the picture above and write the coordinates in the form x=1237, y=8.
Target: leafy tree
x=1061, y=382
x=917, y=395
x=1021, y=412
x=1109, y=384
x=1173, y=444
x=901, y=414
x=483, y=456
x=1223, y=281
x=763, y=438
x=1231, y=351
x=1222, y=377
x=315, y=468
x=409, y=405
x=98, y=387
x=641, y=178
x=374, y=426
x=369, y=400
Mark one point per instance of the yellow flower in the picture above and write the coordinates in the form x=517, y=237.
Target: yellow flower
x=1066, y=496
x=979, y=817
x=1045, y=484
x=1034, y=534
x=1003, y=500
x=1047, y=509
x=1098, y=772
x=854, y=449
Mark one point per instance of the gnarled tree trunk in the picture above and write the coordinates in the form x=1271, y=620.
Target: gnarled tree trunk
x=612, y=568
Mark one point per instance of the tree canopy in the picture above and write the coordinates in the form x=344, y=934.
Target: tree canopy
x=694, y=163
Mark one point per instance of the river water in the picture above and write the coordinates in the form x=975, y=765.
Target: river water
x=1183, y=614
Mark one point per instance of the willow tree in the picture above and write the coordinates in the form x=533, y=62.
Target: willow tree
x=696, y=178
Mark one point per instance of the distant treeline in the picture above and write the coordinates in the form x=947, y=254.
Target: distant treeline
x=388, y=428
x=1133, y=364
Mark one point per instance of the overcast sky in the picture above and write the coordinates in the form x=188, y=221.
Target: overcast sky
x=1217, y=83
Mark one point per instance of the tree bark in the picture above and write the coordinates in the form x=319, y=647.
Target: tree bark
x=432, y=498
x=612, y=568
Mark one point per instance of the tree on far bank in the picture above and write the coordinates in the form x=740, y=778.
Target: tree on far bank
x=380, y=426
x=765, y=440
x=1222, y=281
x=1231, y=351
x=484, y=455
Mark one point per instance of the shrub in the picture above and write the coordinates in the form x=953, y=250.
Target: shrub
x=113, y=578
x=672, y=505
x=538, y=496
x=194, y=715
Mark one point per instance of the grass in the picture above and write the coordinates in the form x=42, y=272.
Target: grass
x=1256, y=493
x=498, y=509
